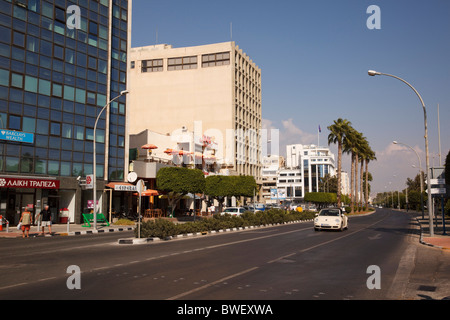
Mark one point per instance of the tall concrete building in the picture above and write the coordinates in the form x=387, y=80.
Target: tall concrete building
x=60, y=63
x=212, y=90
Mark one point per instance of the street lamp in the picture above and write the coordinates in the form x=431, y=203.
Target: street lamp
x=94, y=169
x=420, y=168
x=430, y=203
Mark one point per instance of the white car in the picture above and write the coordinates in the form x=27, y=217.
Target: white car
x=234, y=211
x=331, y=219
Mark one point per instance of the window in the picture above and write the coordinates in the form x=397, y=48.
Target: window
x=155, y=65
x=215, y=59
x=182, y=63
x=15, y=123
x=55, y=128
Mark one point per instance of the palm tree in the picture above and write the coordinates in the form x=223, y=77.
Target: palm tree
x=369, y=157
x=352, y=144
x=338, y=130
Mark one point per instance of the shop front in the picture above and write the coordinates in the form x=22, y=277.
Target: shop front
x=18, y=192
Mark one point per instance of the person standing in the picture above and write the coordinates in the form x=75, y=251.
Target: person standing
x=26, y=220
x=46, y=219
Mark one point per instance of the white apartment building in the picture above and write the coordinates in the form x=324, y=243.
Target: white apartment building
x=216, y=85
x=271, y=166
x=305, y=165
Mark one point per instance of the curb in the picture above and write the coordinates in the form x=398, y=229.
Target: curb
x=72, y=233
x=421, y=241
x=199, y=234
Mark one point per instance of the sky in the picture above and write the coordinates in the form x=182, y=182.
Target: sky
x=314, y=56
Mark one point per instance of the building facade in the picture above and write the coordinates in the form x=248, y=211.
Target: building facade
x=61, y=62
x=305, y=166
x=216, y=85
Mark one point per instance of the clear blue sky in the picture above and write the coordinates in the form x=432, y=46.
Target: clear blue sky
x=314, y=57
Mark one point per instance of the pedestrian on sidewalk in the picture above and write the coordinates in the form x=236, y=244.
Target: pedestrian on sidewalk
x=46, y=219
x=26, y=220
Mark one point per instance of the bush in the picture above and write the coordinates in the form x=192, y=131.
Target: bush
x=162, y=228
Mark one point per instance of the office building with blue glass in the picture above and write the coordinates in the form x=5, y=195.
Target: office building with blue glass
x=61, y=62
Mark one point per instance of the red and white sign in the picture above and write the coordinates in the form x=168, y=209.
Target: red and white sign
x=29, y=183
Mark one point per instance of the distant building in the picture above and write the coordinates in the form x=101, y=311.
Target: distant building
x=269, y=174
x=305, y=166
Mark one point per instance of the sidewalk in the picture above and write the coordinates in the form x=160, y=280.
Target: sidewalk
x=64, y=230
x=441, y=237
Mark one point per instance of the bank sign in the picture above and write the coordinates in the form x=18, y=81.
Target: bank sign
x=29, y=183
x=16, y=136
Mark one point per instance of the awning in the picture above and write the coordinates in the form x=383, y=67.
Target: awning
x=149, y=193
x=149, y=146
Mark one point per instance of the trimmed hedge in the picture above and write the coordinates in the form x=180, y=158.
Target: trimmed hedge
x=162, y=228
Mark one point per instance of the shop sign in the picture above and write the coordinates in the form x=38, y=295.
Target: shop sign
x=29, y=183
x=121, y=187
x=16, y=136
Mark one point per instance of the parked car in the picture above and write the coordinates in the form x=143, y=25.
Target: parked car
x=331, y=219
x=234, y=211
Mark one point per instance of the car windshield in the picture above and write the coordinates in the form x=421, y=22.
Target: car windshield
x=329, y=212
x=231, y=210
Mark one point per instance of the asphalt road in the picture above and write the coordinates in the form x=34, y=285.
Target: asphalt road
x=286, y=262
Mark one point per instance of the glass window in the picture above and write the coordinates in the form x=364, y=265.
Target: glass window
x=44, y=87
x=42, y=126
x=19, y=39
x=15, y=122
x=69, y=93
x=57, y=90
x=55, y=128
x=47, y=9
x=4, y=77
x=40, y=166
x=80, y=96
x=58, y=52
x=31, y=84
x=77, y=169
x=12, y=164
x=17, y=80
x=32, y=44
x=53, y=168
x=66, y=130
x=65, y=169
x=78, y=133
x=29, y=124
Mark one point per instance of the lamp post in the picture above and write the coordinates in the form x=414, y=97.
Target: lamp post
x=430, y=202
x=420, y=172
x=94, y=169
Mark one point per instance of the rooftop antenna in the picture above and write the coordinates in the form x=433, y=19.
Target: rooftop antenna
x=156, y=41
x=231, y=31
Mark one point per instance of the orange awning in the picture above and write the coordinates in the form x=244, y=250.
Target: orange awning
x=149, y=192
x=149, y=146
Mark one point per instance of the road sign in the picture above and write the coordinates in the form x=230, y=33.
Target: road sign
x=438, y=190
x=16, y=136
x=437, y=181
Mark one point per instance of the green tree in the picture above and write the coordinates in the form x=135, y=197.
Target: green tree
x=178, y=182
x=321, y=199
x=447, y=169
x=220, y=187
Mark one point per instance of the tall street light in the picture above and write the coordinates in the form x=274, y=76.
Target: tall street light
x=421, y=174
x=430, y=203
x=94, y=169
